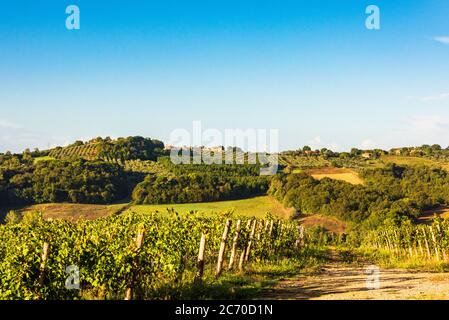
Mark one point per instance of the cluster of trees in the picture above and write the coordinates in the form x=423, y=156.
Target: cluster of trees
x=327, y=153
x=393, y=192
x=81, y=181
x=216, y=169
x=118, y=151
x=130, y=148
x=434, y=151
x=197, y=187
x=308, y=158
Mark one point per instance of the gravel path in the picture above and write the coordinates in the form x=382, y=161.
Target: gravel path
x=337, y=280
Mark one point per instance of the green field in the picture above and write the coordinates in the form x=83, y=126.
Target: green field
x=45, y=158
x=413, y=161
x=257, y=206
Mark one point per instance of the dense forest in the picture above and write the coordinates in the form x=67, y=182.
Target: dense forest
x=60, y=181
x=197, y=187
x=200, y=183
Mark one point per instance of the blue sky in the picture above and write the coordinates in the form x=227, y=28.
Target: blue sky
x=308, y=68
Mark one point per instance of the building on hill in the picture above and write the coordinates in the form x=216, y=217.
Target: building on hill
x=311, y=152
x=367, y=155
x=213, y=149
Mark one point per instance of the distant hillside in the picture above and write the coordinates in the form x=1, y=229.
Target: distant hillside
x=119, y=150
x=88, y=151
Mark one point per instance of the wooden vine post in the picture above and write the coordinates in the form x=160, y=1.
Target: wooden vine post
x=280, y=229
x=443, y=251
x=266, y=225
x=243, y=254
x=222, y=248
x=260, y=227
x=200, y=262
x=44, y=257
x=387, y=241
x=300, y=240
x=435, y=244
x=421, y=251
x=270, y=230
x=129, y=292
x=251, y=236
x=426, y=243
x=235, y=241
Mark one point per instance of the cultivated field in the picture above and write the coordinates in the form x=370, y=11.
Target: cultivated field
x=73, y=212
x=343, y=174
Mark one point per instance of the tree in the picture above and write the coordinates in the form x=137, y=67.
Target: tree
x=355, y=152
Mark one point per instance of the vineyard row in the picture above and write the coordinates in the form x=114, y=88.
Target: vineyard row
x=135, y=255
x=423, y=241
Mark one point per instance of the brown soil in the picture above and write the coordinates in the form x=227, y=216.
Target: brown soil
x=428, y=216
x=74, y=212
x=329, y=223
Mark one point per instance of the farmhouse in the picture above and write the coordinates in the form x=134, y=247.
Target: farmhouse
x=367, y=155
x=311, y=152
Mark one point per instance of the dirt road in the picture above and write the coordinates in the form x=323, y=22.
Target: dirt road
x=338, y=280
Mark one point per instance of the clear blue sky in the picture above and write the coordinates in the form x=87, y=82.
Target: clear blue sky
x=308, y=68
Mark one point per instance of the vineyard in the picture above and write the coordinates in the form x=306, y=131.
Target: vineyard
x=85, y=151
x=136, y=256
x=414, y=241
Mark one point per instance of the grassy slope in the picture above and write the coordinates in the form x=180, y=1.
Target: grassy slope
x=413, y=161
x=257, y=206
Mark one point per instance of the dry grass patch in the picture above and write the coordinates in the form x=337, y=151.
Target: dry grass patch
x=428, y=215
x=73, y=212
x=329, y=223
x=342, y=174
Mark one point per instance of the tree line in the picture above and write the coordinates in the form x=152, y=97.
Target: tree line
x=60, y=181
x=197, y=187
